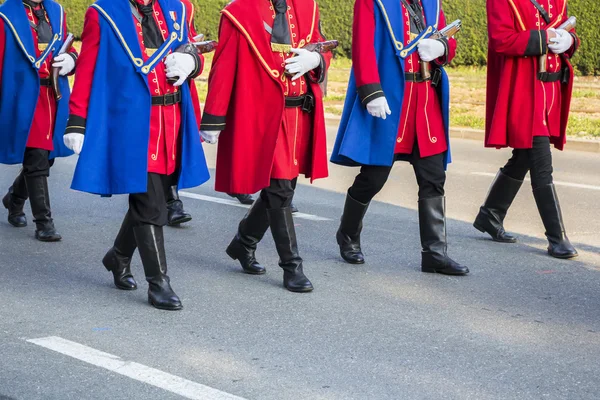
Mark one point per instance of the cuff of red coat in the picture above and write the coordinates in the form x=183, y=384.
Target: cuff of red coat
x=212, y=122
x=443, y=60
x=76, y=124
x=73, y=55
x=576, y=43
x=317, y=75
x=537, y=44
x=370, y=92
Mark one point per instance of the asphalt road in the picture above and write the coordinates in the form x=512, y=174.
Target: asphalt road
x=521, y=326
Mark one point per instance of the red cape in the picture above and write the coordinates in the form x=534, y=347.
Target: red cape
x=249, y=92
x=511, y=76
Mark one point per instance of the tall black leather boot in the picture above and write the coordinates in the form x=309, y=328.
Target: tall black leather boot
x=432, y=224
x=151, y=245
x=15, y=200
x=118, y=258
x=177, y=214
x=251, y=230
x=284, y=235
x=559, y=245
x=39, y=197
x=348, y=234
x=491, y=214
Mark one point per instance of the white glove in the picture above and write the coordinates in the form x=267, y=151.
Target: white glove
x=210, y=137
x=74, y=141
x=562, y=42
x=430, y=49
x=379, y=108
x=302, y=63
x=179, y=65
x=65, y=62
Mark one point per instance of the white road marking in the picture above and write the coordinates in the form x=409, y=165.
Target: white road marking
x=236, y=203
x=558, y=183
x=139, y=372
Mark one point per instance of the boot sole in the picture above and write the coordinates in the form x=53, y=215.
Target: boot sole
x=49, y=240
x=565, y=257
x=353, y=262
x=236, y=258
x=179, y=221
x=302, y=290
x=480, y=229
x=164, y=308
x=435, y=271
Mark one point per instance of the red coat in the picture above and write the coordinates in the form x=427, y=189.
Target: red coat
x=246, y=98
x=517, y=36
x=42, y=126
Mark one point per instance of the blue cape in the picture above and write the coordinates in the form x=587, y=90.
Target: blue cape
x=20, y=81
x=363, y=139
x=114, y=158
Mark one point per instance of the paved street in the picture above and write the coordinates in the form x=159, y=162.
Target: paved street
x=521, y=326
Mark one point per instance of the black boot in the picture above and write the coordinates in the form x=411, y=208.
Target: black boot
x=15, y=200
x=491, y=214
x=432, y=224
x=151, y=245
x=177, y=214
x=39, y=197
x=251, y=230
x=348, y=234
x=242, y=198
x=284, y=234
x=549, y=207
x=118, y=258
x=293, y=208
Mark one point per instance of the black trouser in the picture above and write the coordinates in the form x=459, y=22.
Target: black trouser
x=35, y=163
x=151, y=207
x=429, y=172
x=537, y=160
x=279, y=193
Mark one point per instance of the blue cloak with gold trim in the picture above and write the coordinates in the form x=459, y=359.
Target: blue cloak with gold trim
x=366, y=140
x=114, y=158
x=20, y=81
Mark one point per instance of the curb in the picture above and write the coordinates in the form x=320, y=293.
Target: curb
x=587, y=145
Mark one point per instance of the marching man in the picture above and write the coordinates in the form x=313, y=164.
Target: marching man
x=133, y=123
x=265, y=101
x=397, y=109
x=530, y=81
x=32, y=120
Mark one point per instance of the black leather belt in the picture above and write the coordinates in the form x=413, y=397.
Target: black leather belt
x=550, y=76
x=307, y=102
x=167, y=99
x=415, y=77
x=293, y=102
x=45, y=82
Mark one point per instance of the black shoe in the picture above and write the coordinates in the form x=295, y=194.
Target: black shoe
x=118, y=258
x=432, y=224
x=39, y=197
x=284, y=234
x=348, y=234
x=559, y=245
x=176, y=213
x=242, y=198
x=251, y=230
x=293, y=208
x=14, y=205
x=151, y=245
x=491, y=214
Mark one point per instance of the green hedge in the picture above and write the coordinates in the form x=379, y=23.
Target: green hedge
x=337, y=24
